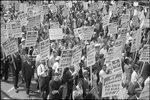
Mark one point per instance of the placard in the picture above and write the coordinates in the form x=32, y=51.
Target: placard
x=116, y=65
x=76, y=57
x=4, y=35
x=90, y=55
x=78, y=31
x=56, y=34
x=16, y=29
x=112, y=84
x=145, y=94
x=118, y=47
x=88, y=32
x=145, y=54
x=136, y=41
x=31, y=38
x=145, y=23
x=44, y=49
x=10, y=46
x=9, y=29
x=66, y=58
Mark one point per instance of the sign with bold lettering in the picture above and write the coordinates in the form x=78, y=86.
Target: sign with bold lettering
x=66, y=58
x=44, y=49
x=116, y=65
x=145, y=54
x=76, y=57
x=111, y=85
x=10, y=46
x=16, y=29
x=56, y=34
x=31, y=38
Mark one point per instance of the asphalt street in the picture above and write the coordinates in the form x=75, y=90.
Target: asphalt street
x=8, y=91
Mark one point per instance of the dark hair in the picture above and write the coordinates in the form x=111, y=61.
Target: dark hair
x=65, y=70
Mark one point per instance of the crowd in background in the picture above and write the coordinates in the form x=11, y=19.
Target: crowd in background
x=75, y=83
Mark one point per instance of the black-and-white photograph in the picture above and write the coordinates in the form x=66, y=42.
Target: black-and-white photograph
x=75, y=49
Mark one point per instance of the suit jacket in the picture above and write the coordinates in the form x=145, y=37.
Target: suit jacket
x=27, y=70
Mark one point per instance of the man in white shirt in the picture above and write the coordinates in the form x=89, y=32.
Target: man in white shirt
x=42, y=72
x=102, y=73
x=56, y=64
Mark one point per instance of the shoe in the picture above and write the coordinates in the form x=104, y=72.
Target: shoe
x=28, y=96
x=16, y=90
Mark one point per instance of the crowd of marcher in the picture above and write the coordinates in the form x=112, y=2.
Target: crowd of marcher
x=75, y=82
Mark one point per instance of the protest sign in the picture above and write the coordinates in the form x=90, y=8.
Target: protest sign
x=145, y=54
x=34, y=21
x=10, y=46
x=9, y=29
x=145, y=94
x=76, y=56
x=111, y=84
x=112, y=28
x=88, y=32
x=145, y=23
x=136, y=41
x=78, y=31
x=16, y=29
x=54, y=25
x=56, y=34
x=133, y=46
x=31, y=38
x=116, y=65
x=44, y=49
x=90, y=55
x=4, y=35
x=66, y=58
x=118, y=47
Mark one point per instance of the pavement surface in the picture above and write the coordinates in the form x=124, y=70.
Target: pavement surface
x=8, y=91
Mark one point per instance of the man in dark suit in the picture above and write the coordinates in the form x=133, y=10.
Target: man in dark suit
x=27, y=71
x=16, y=68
